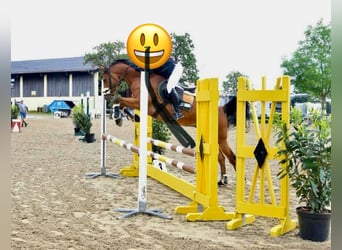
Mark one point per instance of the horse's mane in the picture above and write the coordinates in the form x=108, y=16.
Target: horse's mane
x=127, y=62
x=163, y=71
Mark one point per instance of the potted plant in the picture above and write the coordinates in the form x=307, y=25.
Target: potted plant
x=14, y=112
x=14, y=116
x=305, y=153
x=83, y=122
x=76, y=112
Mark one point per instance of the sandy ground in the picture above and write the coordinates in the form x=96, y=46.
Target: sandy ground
x=55, y=207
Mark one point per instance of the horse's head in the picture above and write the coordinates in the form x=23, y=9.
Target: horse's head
x=105, y=79
x=115, y=74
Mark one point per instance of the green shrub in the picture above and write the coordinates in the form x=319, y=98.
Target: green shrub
x=81, y=119
x=14, y=111
x=160, y=132
x=305, y=152
x=75, y=113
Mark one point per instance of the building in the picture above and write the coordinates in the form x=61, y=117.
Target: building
x=40, y=82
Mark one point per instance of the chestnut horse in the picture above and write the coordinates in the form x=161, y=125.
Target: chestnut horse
x=124, y=70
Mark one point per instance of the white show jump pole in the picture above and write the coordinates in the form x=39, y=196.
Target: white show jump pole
x=142, y=186
x=103, y=143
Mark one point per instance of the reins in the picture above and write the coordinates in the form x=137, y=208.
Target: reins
x=182, y=136
x=115, y=87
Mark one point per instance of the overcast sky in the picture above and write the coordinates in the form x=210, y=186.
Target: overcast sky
x=250, y=36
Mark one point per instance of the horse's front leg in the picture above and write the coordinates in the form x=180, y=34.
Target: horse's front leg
x=129, y=102
x=134, y=103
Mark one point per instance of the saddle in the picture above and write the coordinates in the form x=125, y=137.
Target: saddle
x=187, y=95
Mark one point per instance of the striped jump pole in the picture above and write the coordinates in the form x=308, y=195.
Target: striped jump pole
x=135, y=149
x=172, y=147
x=203, y=195
x=204, y=204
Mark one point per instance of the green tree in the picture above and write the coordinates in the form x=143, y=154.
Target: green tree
x=105, y=53
x=182, y=51
x=161, y=132
x=310, y=64
x=230, y=83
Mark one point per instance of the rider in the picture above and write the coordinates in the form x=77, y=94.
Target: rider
x=172, y=71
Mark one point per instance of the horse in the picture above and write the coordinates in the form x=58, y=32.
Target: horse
x=124, y=70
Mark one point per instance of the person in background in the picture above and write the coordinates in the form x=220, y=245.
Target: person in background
x=23, y=109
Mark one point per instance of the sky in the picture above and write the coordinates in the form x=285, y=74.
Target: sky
x=250, y=36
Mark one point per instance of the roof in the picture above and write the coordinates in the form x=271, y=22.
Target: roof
x=70, y=64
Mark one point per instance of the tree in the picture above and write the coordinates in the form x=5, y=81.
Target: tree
x=310, y=65
x=230, y=83
x=182, y=51
x=106, y=53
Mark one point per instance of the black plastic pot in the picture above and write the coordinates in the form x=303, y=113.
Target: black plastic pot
x=90, y=137
x=313, y=226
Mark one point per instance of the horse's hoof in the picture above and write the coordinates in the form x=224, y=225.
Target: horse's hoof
x=223, y=181
x=118, y=121
x=136, y=118
x=220, y=183
x=116, y=112
x=129, y=113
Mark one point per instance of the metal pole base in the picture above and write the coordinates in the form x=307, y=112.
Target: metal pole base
x=153, y=212
x=94, y=175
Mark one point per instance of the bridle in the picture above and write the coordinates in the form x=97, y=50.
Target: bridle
x=113, y=87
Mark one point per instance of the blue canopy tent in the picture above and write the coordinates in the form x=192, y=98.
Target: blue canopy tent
x=63, y=106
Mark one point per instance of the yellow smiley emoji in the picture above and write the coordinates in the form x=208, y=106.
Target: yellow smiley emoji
x=149, y=36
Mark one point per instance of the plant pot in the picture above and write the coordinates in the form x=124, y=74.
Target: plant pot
x=313, y=226
x=89, y=137
x=78, y=132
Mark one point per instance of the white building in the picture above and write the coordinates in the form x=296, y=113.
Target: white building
x=40, y=82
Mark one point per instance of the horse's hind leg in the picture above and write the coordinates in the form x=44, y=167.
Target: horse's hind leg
x=228, y=152
x=222, y=162
x=225, y=150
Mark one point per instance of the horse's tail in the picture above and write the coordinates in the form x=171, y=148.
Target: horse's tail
x=230, y=110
